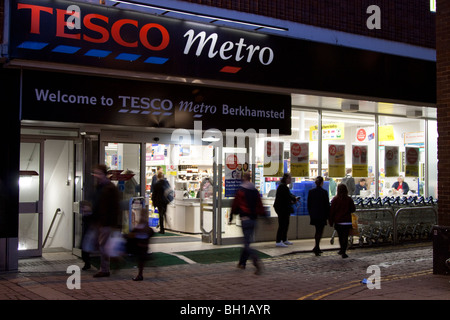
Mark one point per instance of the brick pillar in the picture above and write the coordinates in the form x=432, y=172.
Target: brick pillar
x=443, y=108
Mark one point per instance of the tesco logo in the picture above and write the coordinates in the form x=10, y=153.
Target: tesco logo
x=97, y=28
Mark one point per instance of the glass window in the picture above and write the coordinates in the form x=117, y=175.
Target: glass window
x=348, y=144
x=432, y=164
x=123, y=159
x=402, y=156
x=299, y=154
x=188, y=169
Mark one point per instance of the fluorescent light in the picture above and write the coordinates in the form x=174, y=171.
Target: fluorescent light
x=193, y=14
x=433, y=5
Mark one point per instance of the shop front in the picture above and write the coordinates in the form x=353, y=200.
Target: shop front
x=204, y=103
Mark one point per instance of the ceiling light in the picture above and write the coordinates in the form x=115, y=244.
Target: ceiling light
x=198, y=15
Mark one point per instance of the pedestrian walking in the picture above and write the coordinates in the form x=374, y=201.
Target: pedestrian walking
x=86, y=231
x=248, y=205
x=342, y=207
x=284, y=200
x=138, y=240
x=106, y=214
x=319, y=211
x=160, y=200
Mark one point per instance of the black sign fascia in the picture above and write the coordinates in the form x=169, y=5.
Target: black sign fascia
x=128, y=40
x=62, y=97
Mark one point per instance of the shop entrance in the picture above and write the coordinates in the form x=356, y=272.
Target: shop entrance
x=134, y=163
x=31, y=198
x=45, y=194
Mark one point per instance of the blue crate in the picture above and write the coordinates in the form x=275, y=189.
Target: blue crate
x=153, y=222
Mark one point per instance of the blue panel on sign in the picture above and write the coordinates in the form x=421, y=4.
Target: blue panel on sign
x=66, y=49
x=97, y=53
x=128, y=56
x=32, y=45
x=156, y=60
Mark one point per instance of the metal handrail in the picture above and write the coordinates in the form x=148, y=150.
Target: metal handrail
x=51, y=226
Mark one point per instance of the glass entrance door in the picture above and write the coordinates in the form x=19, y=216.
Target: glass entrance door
x=30, y=198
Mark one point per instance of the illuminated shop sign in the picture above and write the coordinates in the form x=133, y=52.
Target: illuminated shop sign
x=61, y=97
x=110, y=37
x=107, y=37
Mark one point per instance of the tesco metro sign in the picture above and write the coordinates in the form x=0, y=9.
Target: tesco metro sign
x=114, y=31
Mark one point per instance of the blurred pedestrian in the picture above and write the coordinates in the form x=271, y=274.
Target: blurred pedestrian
x=86, y=232
x=284, y=200
x=138, y=240
x=342, y=207
x=319, y=211
x=160, y=200
x=248, y=205
x=106, y=214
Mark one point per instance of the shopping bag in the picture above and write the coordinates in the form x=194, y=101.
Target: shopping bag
x=116, y=244
x=354, y=230
x=90, y=240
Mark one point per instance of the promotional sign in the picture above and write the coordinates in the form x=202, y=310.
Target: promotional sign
x=360, y=167
x=236, y=165
x=336, y=160
x=391, y=161
x=333, y=131
x=386, y=133
x=105, y=36
x=273, y=159
x=300, y=159
x=415, y=138
x=361, y=134
x=89, y=99
x=412, y=157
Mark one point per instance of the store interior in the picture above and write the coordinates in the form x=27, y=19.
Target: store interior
x=189, y=167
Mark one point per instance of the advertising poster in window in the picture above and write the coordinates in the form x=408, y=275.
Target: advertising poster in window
x=332, y=131
x=336, y=160
x=235, y=167
x=391, y=161
x=300, y=159
x=360, y=166
x=412, y=162
x=386, y=133
x=273, y=159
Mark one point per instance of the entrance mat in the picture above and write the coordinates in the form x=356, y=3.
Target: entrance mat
x=166, y=234
x=155, y=259
x=218, y=255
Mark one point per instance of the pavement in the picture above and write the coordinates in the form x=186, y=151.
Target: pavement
x=291, y=277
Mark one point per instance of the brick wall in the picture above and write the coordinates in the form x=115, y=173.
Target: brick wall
x=408, y=21
x=443, y=108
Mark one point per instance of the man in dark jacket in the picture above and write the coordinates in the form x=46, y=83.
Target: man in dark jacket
x=284, y=200
x=319, y=211
x=160, y=200
x=248, y=205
